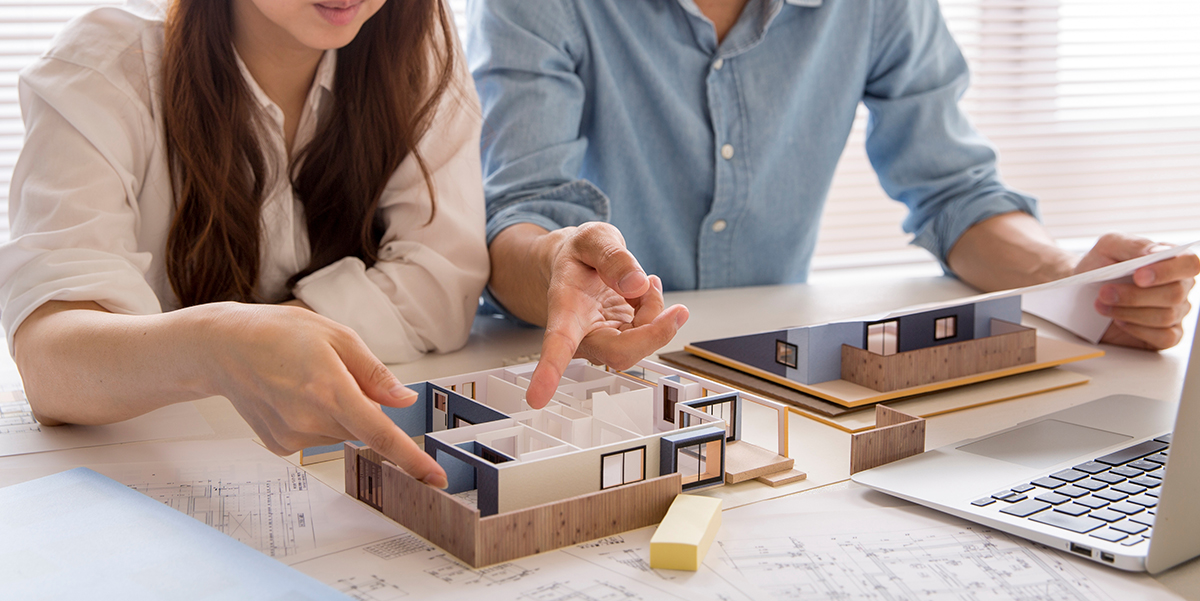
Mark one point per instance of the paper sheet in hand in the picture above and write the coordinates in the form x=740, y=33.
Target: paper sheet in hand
x=81, y=535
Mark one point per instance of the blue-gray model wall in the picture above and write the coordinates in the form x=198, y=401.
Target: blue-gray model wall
x=757, y=350
x=413, y=419
x=823, y=354
x=457, y=405
x=466, y=471
x=916, y=331
x=1007, y=309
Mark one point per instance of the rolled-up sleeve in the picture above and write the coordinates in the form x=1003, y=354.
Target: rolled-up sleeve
x=73, y=201
x=422, y=293
x=924, y=150
x=523, y=56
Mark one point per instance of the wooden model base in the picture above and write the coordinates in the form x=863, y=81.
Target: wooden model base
x=456, y=527
x=896, y=436
x=1050, y=353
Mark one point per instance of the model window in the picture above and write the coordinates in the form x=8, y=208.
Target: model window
x=785, y=353
x=622, y=467
x=882, y=338
x=699, y=463
x=439, y=400
x=492, y=455
x=725, y=410
x=945, y=327
x=370, y=482
x=468, y=390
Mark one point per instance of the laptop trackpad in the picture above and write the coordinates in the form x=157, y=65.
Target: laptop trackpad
x=1044, y=443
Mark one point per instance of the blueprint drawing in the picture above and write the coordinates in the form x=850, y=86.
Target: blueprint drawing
x=270, y=514
x=935, y=563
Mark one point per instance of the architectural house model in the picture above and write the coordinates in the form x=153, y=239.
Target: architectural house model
x=867, y=361
x=607, y=454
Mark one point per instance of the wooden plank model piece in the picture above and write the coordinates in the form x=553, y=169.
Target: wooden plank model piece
x=780, y=478
x=686, y=533
x=745, y=461
x=608, y=454
x=896, y=436
x=861, y=362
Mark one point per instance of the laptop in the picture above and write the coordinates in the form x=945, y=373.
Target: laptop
x=1115, y=480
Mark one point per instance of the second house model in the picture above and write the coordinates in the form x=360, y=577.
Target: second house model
x=867, y=361
x=607, y=454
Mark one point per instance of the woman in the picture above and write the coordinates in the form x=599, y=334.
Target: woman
x=247, y=198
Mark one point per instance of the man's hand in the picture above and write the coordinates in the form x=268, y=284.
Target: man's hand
x=1013, y=250
x=590, y=293
x=1149, y=312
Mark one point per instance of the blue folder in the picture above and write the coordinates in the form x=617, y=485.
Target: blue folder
x=81, y=535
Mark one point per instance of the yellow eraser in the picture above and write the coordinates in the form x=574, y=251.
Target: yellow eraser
x=685, y=534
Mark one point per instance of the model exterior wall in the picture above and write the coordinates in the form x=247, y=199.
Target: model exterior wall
x=527, y=484
x=945, y=362
x=456, y=527
x=1005, y=309
x=818, y=361
x=757, y=350
x=916, y=331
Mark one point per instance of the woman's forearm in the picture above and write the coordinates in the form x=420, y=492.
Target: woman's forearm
x=81, y=364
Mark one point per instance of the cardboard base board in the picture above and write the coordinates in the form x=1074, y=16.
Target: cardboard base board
x=955, y=399
x=1050, y=353
x=861, y=418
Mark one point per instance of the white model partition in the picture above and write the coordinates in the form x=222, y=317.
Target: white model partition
x=504, y=397
x=632, y=410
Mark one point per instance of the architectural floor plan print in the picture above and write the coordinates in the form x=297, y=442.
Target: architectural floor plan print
x=370, y=588
x=938, y=563
x=15, y=415
x=21, y=434
x=567, y=591
x=270, y=514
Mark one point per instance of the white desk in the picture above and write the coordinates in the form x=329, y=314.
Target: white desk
x=818, y=449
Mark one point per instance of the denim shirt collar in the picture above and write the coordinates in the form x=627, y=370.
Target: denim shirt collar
x=749, y=29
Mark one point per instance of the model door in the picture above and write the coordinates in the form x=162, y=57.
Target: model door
x=440, y=400
x=670, y=398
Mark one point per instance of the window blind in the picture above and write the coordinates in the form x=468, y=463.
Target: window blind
x=1093, y=105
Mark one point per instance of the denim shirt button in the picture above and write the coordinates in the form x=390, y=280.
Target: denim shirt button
x=727, y=152
x=717, y=64
x=719, y=225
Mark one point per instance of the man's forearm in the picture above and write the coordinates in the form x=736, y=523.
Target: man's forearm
x=520, y=270
x=1012, y=250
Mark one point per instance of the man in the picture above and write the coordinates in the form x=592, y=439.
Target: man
x=701, y=137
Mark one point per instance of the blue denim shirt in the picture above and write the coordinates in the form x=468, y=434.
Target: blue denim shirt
x=714, y=160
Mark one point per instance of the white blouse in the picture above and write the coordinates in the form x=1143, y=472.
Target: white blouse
x=91, y=201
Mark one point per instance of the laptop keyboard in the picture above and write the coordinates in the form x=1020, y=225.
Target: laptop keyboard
x=1112, y=498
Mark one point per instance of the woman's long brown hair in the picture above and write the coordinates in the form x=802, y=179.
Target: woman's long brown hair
x=387, y=87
